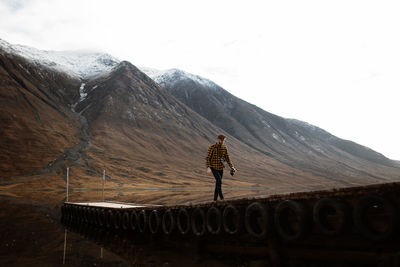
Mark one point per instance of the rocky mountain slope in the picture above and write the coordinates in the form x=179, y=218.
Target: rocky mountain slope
x=292, y=142
x=35, y=127
x=145, y=135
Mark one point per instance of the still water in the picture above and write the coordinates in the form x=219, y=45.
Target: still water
x=31, y=234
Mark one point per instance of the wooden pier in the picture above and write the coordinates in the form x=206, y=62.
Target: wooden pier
x=357, y=226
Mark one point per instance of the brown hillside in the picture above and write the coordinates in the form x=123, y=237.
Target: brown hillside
x=145, y=137
x=36, y=127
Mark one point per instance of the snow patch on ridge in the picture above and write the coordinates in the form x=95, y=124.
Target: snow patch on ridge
x=78, y=64
x=278, y=138
x=172, y=76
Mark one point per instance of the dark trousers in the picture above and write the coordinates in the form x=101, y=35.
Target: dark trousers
x=218, y=183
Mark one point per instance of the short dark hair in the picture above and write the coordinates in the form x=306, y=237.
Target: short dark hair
x=221, y=137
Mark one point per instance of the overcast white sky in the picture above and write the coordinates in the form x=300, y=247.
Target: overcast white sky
x=334, y=64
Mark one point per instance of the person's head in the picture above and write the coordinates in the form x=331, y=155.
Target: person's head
x=221, y=138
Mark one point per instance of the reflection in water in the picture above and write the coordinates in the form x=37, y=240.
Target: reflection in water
x=31, y=234
x=65, y=245
x=139, y=250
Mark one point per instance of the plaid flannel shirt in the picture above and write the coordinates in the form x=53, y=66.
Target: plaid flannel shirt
x=215, y=154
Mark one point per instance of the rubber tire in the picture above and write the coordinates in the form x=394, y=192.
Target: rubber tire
x=95, y=217
x=300, y=211
x=341, y=211
x=86, y=215
x=261, y=221
x=81, y=213
x=361, y=219
x=101, y=217
x=198, y=221
x=183, y=221
x=214, y=229
x=125, y=221
x=73, y=213
x=154, y=221
x=168, y=222
x=109, y=218
x=133, y=219
x=117, y=218
x=142, y=221
x=232, y=220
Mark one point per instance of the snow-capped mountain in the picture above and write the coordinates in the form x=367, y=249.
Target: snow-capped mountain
x=78, y=64
x=173, y=76
x=147, y=135
x=294, y=143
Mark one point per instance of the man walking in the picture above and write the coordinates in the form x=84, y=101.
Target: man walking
x=218, y=153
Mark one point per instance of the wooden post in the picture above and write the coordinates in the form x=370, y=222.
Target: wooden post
x=104, y=177
x=67, y=183
x=65, y=245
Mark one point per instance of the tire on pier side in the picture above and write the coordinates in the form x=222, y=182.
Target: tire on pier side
x=257, y=220
x=92, y=216
x=331, y=216
x=133, y=220
x=291, y=220
x=183, y=221
x=109, y=218
x=71, y=212
x=154, y=221
x=85, y=214
x=376, y=217
x=125, y=221
x=214, y=220
x=168, y=222
x=198, y=221
x=142, y=221
x=232, y=220
x=74, y=213
x=117, y=219
x=101, y=217
x=80, y=213
x=95, y=215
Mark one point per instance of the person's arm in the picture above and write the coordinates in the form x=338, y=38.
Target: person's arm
x=228, y=160
x=208, y=158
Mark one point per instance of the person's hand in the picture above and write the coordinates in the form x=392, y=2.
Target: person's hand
x=209, y=170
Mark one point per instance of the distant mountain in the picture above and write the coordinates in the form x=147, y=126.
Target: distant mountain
x=292, y=142
x=77, y=64
x=155, y=133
